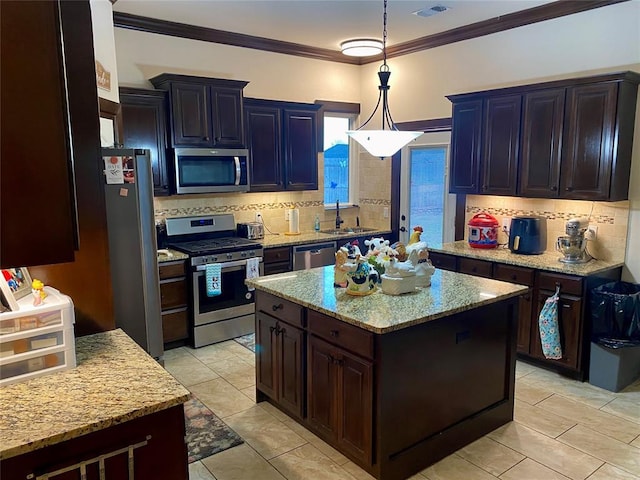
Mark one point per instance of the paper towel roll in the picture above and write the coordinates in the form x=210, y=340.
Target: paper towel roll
x=294, y=220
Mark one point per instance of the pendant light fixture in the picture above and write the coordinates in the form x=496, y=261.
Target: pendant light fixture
x=386, y=142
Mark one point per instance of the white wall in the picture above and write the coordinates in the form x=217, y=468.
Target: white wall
x=270, y=75
x=104, y=44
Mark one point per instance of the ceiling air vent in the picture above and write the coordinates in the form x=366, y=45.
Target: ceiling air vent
x=430, y=11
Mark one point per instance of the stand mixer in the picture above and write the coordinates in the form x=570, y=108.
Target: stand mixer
x=573, y=245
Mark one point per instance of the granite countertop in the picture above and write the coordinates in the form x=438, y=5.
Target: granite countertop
x=115, y=381
x=449, y=293
x=172, y=256
x=272, y=240
x=545, y=261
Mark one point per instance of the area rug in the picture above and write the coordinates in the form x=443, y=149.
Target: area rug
x=206, y=433
x=248, y=341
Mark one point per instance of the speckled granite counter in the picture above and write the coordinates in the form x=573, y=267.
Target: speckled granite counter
x=271, y=240
x=449, y=293
x=115, y=381
x=172, y=257
x=545, y=261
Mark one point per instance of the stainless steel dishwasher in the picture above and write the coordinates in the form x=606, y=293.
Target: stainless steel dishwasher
x=314, y=255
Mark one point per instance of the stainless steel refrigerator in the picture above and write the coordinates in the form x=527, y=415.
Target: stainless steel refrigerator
x=132, y=246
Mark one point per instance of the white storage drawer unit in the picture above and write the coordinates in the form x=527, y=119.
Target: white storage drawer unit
x=38, y=340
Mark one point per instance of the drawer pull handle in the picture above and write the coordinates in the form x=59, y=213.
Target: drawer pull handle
x=272, y=329
x=514, y=277
x=275, y=308
x=565, y=305
x=474, y=269
x=334, y=333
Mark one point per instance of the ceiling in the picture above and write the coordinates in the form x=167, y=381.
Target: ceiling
x=324, y=23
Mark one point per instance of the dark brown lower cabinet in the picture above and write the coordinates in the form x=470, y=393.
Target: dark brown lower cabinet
x=279, y=367
x=573, y=311
x=396, y=402
x=174, y=302
x=570, y=325
x=163, y=456
x=340, y=397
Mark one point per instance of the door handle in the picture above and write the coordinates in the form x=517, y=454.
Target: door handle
x=275, y=308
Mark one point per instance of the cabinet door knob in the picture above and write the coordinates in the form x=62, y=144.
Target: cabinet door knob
x=206, y=139
x=553, y=188
x=275, y=308
x=569, y=189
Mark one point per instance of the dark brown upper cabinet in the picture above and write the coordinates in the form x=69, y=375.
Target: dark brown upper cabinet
x=40, y=41
x=203, y=112
x=501, y=138
x=465, y=146
x=144, y=122
x=590, y=152
x=282, y=143
x=564, y=139
x=542, y=122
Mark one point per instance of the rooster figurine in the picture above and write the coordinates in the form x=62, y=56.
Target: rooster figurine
x=415, y=235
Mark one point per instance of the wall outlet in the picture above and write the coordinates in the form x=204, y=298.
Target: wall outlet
x=258, y=217
x=385, y=212
x=506, y=224
x=591, y=233
x=286, y=214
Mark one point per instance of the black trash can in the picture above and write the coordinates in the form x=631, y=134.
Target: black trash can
x=615, y=335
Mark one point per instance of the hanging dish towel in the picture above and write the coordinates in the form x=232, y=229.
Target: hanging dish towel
x=213, y=279
x=253, y=270
x=549, y=329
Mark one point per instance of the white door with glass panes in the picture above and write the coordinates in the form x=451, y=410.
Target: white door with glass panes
x=424, y=198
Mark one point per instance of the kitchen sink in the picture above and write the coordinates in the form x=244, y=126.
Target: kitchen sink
x=347, y=230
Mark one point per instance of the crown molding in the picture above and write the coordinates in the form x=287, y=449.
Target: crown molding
x=541, y=13
x=182, y=30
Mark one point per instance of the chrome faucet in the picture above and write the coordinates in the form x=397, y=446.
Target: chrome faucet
x=339, y=221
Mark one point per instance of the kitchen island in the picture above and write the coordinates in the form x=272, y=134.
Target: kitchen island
x=395, y=383
x=117, y=399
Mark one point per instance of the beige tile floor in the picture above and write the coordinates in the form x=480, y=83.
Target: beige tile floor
x=563, y=429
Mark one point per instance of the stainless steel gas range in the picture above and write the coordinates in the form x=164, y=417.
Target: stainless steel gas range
x=229, y=311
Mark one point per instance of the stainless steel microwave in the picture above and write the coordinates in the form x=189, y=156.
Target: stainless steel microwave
x=210, y=170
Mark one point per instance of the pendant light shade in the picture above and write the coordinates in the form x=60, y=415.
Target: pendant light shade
x=383, y=143
x=362, y=47
x=387, y=141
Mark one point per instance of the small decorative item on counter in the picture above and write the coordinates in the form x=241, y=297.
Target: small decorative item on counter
x=483, y=231
x=415, y=235
x=399, y=278
x=316, y=223
x=37, y=290
x=342, y=267
x=362, y=281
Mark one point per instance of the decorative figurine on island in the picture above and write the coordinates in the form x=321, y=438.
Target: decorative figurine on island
x=398, y=268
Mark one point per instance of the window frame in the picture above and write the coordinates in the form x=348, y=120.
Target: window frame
x=353, y=164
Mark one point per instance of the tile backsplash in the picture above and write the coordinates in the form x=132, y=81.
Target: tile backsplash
x=374, y=194
x=611, y=218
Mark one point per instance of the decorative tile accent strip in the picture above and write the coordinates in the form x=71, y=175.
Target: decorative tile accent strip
x=211, y=210
x=510, y=212
x=375, y=201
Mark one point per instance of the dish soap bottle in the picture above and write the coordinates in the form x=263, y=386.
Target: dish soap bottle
x=316, y=223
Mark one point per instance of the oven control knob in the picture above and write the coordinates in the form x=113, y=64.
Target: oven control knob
x=229, y=256
x=243, y=254
x=252, y=253
x=213, y=259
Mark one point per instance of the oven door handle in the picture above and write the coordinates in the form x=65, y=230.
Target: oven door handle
x=226, y=265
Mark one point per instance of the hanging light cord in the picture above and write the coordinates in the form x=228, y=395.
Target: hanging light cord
x=383, y=75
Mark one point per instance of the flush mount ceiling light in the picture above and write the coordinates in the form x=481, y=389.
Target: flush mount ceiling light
x=386, y=142
x=361, y=47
